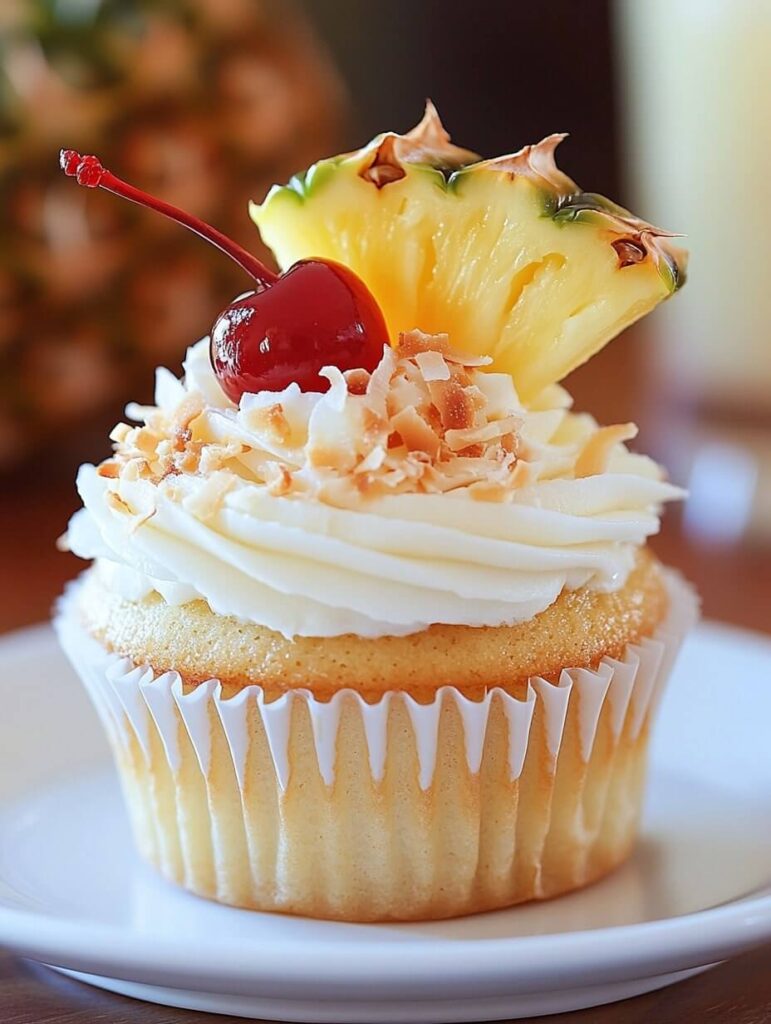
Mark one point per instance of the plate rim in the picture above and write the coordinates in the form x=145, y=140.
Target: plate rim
x=691, y=940
x=615, y=952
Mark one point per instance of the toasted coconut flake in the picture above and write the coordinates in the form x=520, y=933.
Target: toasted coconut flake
x=467, y=360
x=455, y=406
x=472, y=451
x=110, y=469
x=404, y=392
x=457, y=440
x=134, y=469
x=146, y=440
x=181, y=439
x=191, y=406
x=416, y=434
x=328, y=457
x=509, y=443
x=213, y=457
x=373, y=460
x=599, y=447
x=412, y=342
x=478, y=399
x=357, y=381
x=425, y=421
x=271, y=420
x=432, y=366
x=119, y=432
x=373, y=424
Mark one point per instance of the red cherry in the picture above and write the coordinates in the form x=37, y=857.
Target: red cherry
x=318, y=313
x=256, y=346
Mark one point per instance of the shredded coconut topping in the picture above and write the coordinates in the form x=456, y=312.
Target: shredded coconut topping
x=422, y=492
x=426, y=420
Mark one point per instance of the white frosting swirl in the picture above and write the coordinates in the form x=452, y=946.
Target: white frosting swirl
x=305, y=525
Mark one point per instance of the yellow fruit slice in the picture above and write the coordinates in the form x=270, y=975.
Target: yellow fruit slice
x=507, y=256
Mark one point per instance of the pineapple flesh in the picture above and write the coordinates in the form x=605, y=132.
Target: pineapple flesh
x=507, y=256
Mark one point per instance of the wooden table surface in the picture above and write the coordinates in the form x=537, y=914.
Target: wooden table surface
x=735, y=586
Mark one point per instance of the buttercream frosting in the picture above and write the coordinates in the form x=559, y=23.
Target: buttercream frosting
x=422, y=493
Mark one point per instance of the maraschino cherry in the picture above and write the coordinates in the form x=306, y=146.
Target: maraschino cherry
x=318, y=313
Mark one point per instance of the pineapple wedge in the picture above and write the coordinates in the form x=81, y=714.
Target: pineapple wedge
x=508, y=256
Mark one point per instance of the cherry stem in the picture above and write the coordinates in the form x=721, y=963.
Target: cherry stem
x=89, y=172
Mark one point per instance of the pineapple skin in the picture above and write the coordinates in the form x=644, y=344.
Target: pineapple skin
x=507, y=256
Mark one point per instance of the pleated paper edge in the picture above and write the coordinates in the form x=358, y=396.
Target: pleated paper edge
x=121, y=690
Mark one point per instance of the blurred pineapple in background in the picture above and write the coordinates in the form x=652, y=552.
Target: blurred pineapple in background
x=203, y=102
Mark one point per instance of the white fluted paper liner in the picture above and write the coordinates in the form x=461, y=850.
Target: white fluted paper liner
x=150, y=720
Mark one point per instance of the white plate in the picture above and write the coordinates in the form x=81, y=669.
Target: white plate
x=698, y=889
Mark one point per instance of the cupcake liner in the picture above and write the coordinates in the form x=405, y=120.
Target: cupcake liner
x=391, y=810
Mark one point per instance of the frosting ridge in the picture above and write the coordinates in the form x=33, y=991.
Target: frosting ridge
x=424, y=492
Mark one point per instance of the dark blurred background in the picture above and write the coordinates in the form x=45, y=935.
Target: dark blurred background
x=502, y=74
x=207, y=102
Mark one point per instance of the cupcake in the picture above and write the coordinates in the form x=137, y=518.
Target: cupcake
x=371, y=622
